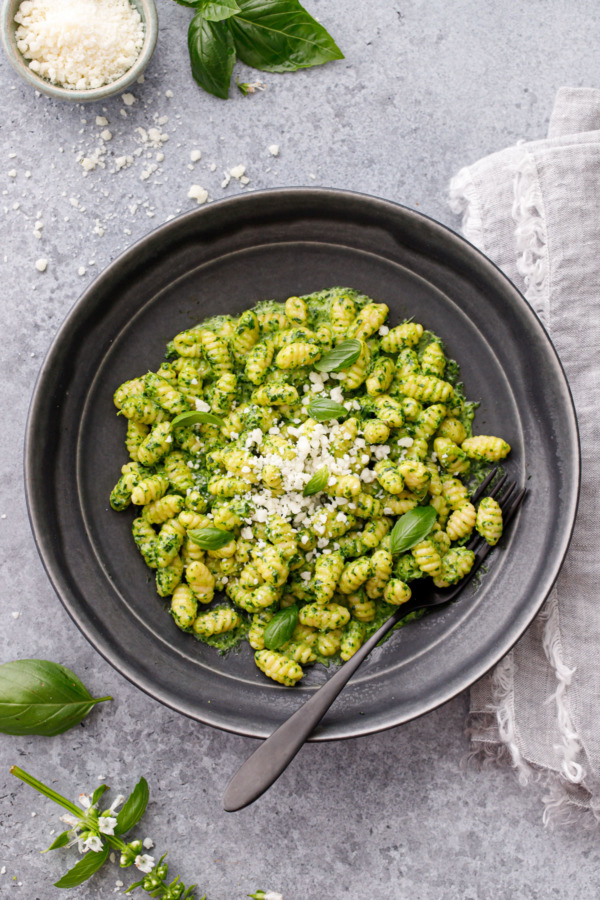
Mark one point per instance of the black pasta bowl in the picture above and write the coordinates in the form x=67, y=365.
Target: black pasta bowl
x=224, y=258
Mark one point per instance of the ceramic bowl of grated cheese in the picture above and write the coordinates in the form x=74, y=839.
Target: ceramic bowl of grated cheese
x=79, y=50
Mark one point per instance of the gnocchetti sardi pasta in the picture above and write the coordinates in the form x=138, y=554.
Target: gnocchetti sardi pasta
x=321, y=427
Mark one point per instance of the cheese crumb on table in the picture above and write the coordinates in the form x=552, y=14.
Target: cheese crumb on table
x=274, y=149
x=128, y=99
x=41, y=265
x=198, y=193
x=195, y=155
x=237, y=172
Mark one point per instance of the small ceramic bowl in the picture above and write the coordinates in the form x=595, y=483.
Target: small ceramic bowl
x=147, y=11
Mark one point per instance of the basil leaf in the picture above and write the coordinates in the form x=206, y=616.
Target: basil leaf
x=217, y=10
x=210, y=538
x=341, y=357
x=188, y=3
x=317, y=483
x=281, y=627
x=84, y=869
x=134, y=807
x=61, y=841
x=196, y=418
x=412, y=527
x=41, y=697
x=280, y=36
x=321, y=410
x=212, y=55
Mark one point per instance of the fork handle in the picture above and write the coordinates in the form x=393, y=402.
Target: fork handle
x=276, y=753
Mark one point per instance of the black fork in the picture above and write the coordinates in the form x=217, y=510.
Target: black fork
x=267, y=763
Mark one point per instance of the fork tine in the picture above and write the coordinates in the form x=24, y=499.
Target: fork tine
x=498, y=486
x=484, y=484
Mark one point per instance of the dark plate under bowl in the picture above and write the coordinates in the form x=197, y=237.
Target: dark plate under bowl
x=224, y=258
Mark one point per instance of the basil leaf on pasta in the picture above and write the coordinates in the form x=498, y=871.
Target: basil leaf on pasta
x=210, y=538
x=412, y=527
x=341, y=357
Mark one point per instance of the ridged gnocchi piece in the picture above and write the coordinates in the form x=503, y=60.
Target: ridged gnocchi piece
x=416, y=475
x=298, y=354
x=156, y=444
x=136, y=434
x=271, y=565
x=245, y=335
x=132, y=388
x=380, y=376
x=278, y=667
x=296, y=310
x=433, y=360
x=328, y=570
x=368, y=321
x=131, y=474
x=189, y=379
x=353, y=637
x=152, y=487
x=411, y=409
x=328, y=643
x=429, y=420
x=398, y=504
x=201, y=580
x=406, y=335
x=348, y=486
x=376, y=431
x=453, y=429
x=325, y=618
x=362, y=608
x=256, y=634
x=427, y=557
x=184, y=606
x=223, y=394
x=489, y=520
x=144, y=536
x=299, y=651
x=382, y=562
x=143, y=410
x=484, y=446
x=216, y=353
x=159, y=511
x=451, y=457
x=374, y=532
x=461, y=521
x=454, y=492
x=275, y=394
x=169, y=576
x=343, y=313
x=457, y=563
x=389, y=476
x=258, y=361
x=355, y=374
x=426, y=388
x=389, y=411
x=178, y=472
x=367, y=506
x=216, y=621
x=355, y=574
x=165, y=394
x=396, y=592
x=188, y=343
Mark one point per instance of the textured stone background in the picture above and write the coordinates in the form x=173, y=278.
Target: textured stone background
x=425, y=88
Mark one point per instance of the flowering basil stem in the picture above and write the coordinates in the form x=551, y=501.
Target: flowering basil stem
x=96, y=832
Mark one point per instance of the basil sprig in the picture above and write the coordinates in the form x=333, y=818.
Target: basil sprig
x=210, y=538
x=412, y=527
x=322, y=410
x=281, y=627
x=41, y=697
x=317, y=483
x=270, y=35
x=341, y=357
x=195, y=418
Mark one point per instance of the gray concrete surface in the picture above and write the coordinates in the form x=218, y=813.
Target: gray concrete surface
x=425, y=88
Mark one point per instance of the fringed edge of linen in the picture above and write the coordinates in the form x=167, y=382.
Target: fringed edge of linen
x=464, y=202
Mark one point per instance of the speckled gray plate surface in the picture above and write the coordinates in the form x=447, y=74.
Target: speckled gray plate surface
x=224, y=258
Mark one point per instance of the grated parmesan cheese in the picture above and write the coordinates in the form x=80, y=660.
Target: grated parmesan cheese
x=79, y=44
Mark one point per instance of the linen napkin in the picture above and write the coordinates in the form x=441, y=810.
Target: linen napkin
x=534, y=209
